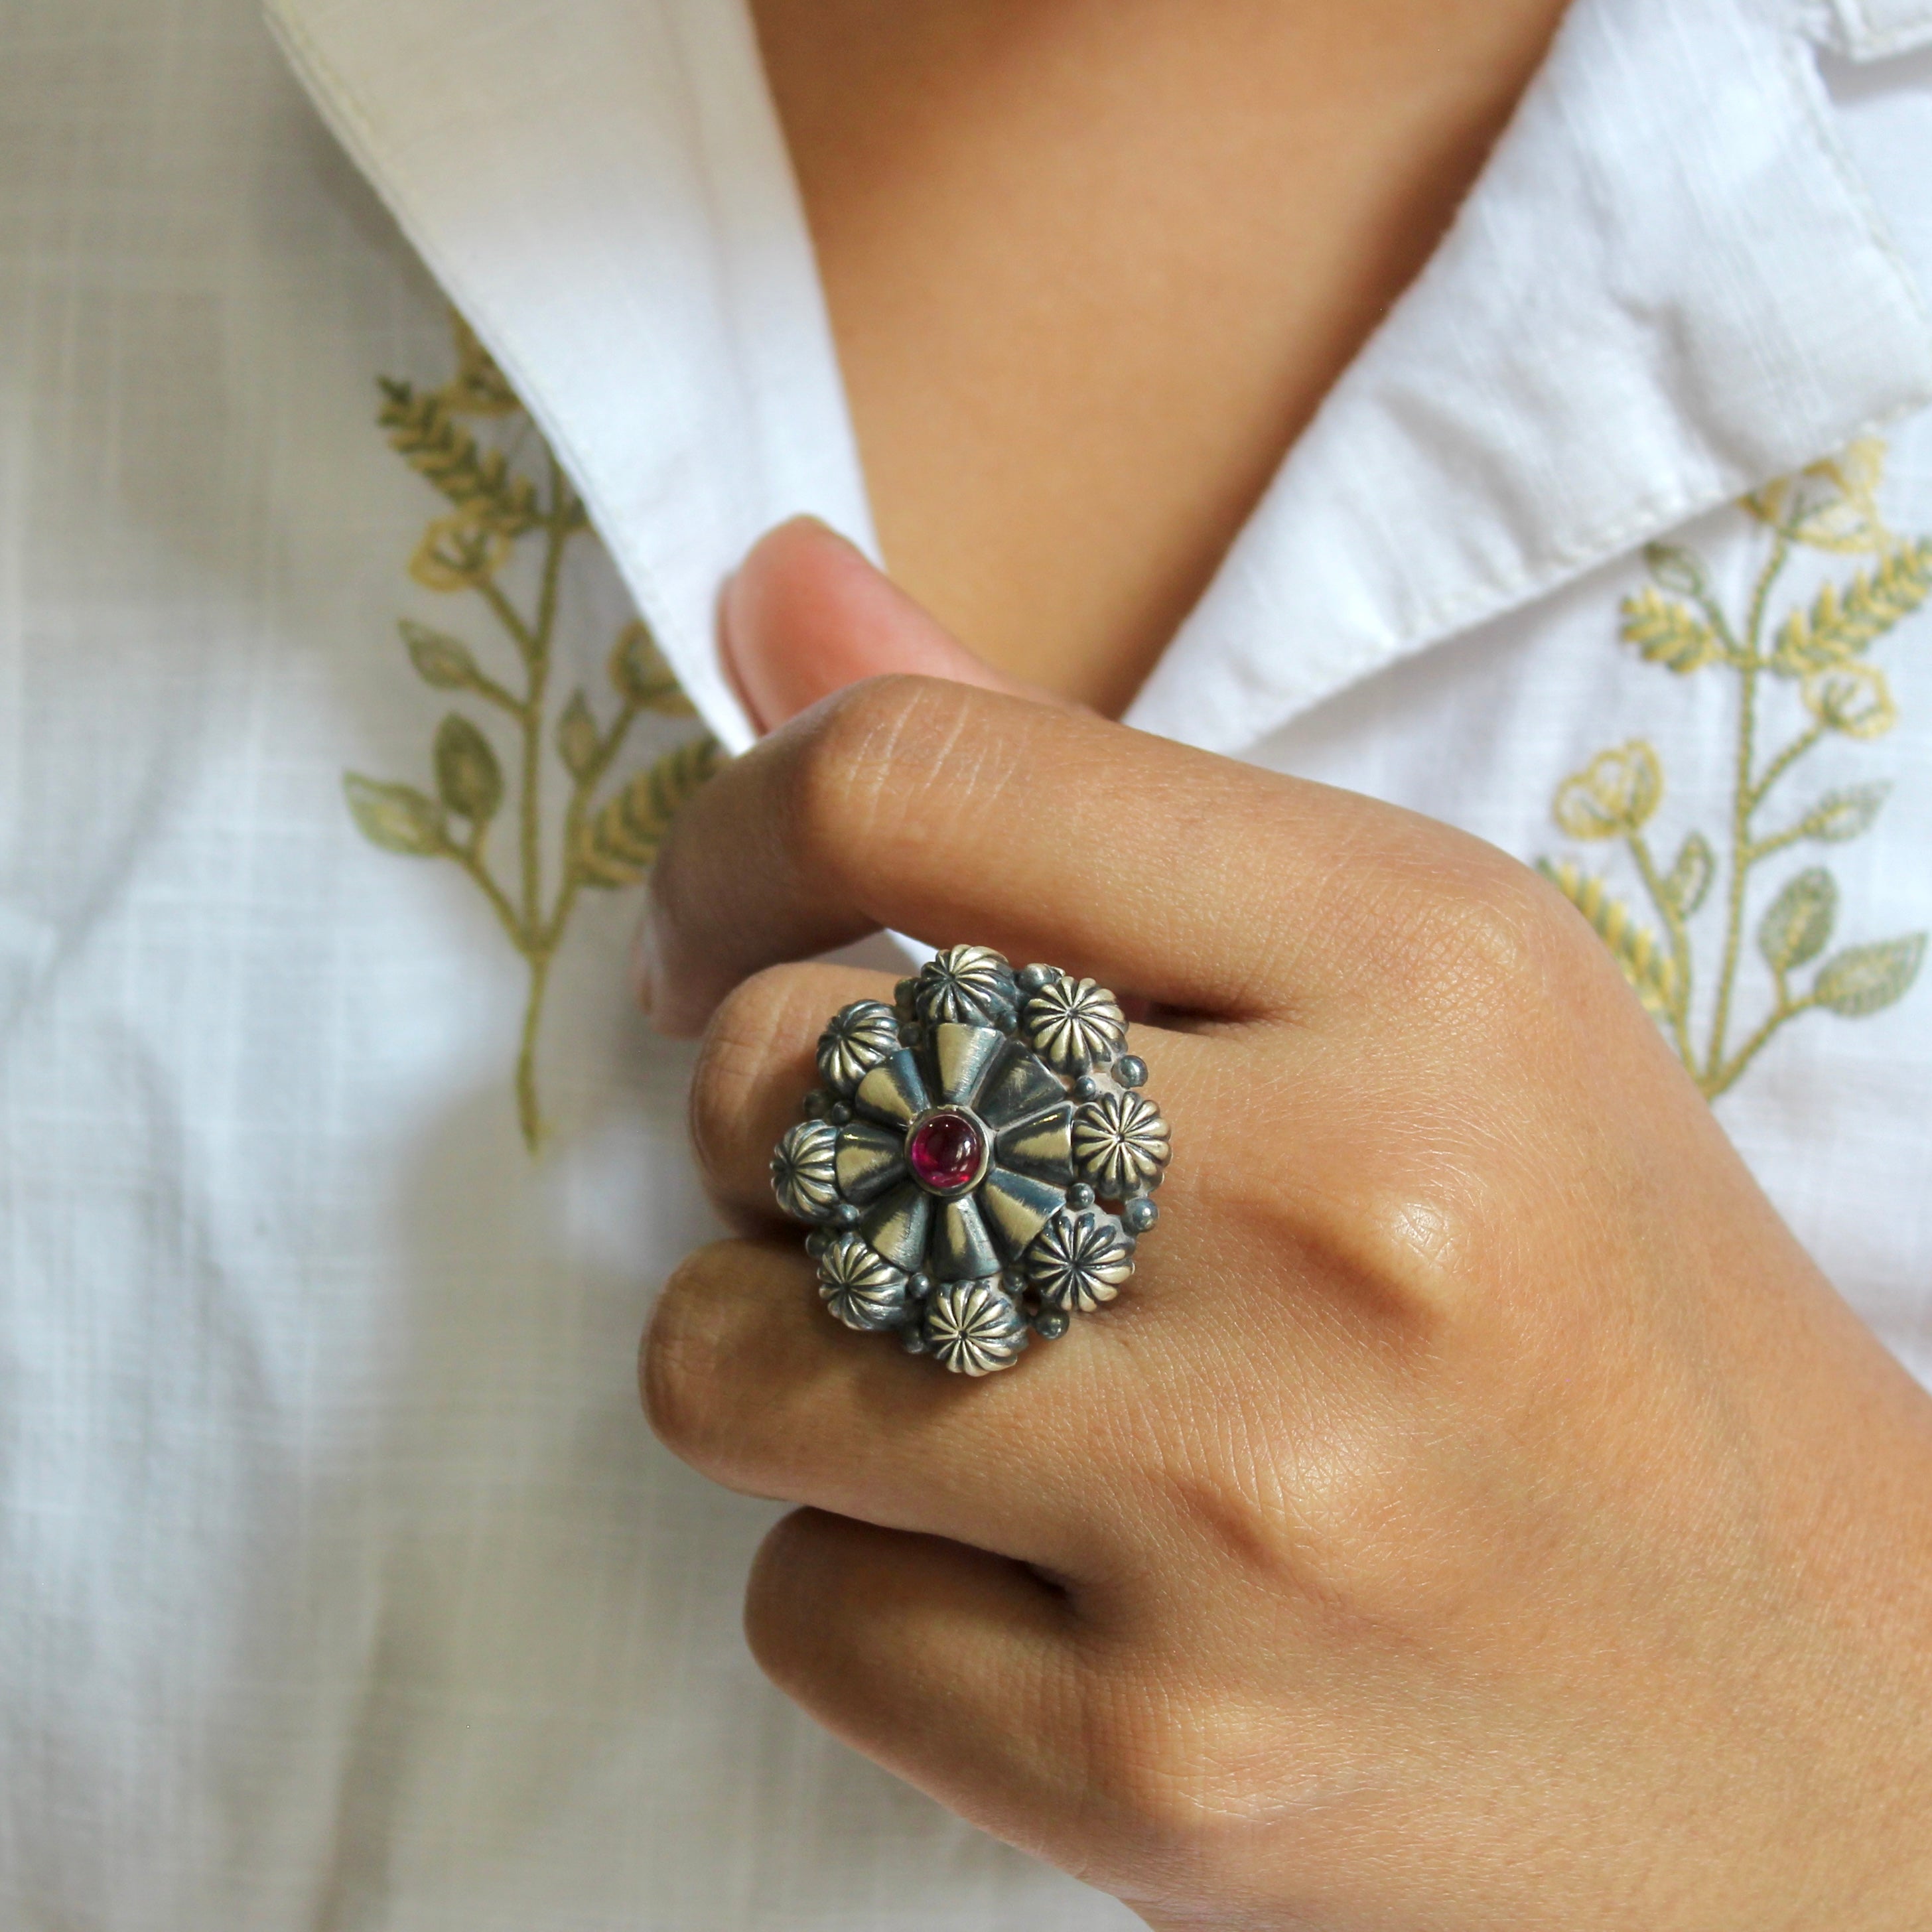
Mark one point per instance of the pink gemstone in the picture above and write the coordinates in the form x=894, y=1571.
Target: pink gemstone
x=945, y=1152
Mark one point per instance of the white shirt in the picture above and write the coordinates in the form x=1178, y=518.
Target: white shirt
x=342, y=1585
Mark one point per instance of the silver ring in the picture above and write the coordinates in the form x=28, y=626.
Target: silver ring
x=980, y=1161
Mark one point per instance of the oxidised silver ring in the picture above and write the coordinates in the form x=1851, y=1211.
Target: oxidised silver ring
x=980, y=1161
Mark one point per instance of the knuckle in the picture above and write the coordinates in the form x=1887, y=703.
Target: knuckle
x=1475, y=947
x=1385, y=1547
x=1415, y=1244
x=1172, y=1772
x=846, y=770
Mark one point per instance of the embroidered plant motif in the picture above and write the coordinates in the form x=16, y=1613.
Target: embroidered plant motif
x=468, y=440
x=1814, y=663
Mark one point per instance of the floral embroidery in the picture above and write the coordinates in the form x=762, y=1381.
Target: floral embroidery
x=1813, y=663
x=496, y=510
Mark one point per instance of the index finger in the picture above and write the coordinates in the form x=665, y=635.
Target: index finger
x=957, y=815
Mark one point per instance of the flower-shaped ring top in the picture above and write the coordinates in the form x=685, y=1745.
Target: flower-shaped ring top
x=958, y=1152
x=957, y=1158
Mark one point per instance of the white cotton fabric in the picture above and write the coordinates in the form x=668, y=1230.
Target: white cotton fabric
x=343, y=1588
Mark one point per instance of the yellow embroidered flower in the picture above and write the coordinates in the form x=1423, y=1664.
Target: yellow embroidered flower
x=1853, y=698
x=1831, y=505
x=501, y=489
x=1816, y=654
x=1615, y=794
x=459, y=554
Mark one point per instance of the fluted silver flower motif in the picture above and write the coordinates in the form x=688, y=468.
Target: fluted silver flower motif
x=977, y=1160
x=974, y=1327
x=1074, y=1024
x=860, y=1287
x=804, y=1171
x=1078, y=1261
x=1121, y=1144
x=858, y=1037
x=971, y=986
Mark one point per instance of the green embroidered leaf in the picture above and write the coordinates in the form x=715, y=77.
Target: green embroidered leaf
x=577, y=740
x=467, y=775
x=442, y=661
x=618, y=844
x=1690, y=877
x=1863, y=978
x=1669, y=633
x=1843, y=621
x=1840, y=815
x=1676, y=568
x=1798, y=923
x=398, y=817
x=639, y=671
x=1645, y=961
x=425, y=430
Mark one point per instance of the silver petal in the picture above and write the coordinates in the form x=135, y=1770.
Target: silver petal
x=1015, y=1208
x=870, y=1160
x=1018, y=1087
x=897, y=1225
x=894, y=1092
x=961, y=1248
x=962, y=1053
x=1041, y=1147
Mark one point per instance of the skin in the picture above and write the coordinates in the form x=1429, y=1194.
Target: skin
x=1076, y=341
x=1480, y=1514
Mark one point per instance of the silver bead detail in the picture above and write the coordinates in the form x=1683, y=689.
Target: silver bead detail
x=1121, y=1144
x=1074, y=1024
x=861, y=1288
x=1077, y=1262
x=974, y=1327
x=858, y=1037
x=804, y=1171
x=972, y=985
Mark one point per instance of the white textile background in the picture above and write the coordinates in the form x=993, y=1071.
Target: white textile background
x=341, y=1586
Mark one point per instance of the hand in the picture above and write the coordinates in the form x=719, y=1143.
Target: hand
x=1478, y=1513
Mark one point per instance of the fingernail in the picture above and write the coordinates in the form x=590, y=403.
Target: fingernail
x=644, y=960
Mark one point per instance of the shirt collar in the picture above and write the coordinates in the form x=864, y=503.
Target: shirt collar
x=601, y=189
x=1873, y=29
x=1668, y=285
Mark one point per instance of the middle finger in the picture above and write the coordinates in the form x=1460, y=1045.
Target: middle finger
x=758, y=1063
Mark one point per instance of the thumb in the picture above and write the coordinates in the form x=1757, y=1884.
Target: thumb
x=807, y=614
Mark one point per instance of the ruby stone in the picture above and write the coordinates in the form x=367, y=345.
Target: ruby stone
x=946, y=1151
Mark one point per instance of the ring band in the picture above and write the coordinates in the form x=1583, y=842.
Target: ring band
x=979, y=1163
